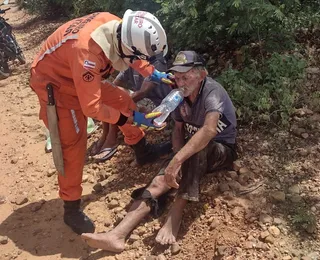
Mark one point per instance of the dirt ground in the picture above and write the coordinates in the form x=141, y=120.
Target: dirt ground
x=267, y=208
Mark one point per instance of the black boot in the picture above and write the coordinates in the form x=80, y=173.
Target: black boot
x=147, y=153
x=76, y=219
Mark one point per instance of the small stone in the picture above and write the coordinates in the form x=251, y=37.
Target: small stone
x=277, y=221
x=135, y=245
x=85, y=178
x=313, y=209
x=3, y=240
x=263, y=246
x=221, y=250
x=313, y=70
x=113, y=204
x=175, y=249
x=234, y=185
x=295, y=198
x=14, y=160
x=244, y=170
x=151, y=257
x=51, y=172
x=41, y=185
x=294, y=189
x=98, y=187
x=134, y=238
x=2, y=200
x=224, y=187
x=142, y=231
x=161, y=257
x=297, y=131
x=236, y=212
x=269, y=239
x=274, y=231
x=311, y=227
x=20, y=200
x=233, y=175
x=248, y=245
x=278, y=196
x=265, y=218
x=264, y=234
x=214, y=224
x=305, y=135
x=236, y=165
x=37, y=206
x=287, y=257
x=243, y=178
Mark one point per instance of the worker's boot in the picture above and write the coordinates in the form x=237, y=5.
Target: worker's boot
x=76, y=219
x=147, y=153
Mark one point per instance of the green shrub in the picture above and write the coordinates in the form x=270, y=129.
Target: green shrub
x=267, y=91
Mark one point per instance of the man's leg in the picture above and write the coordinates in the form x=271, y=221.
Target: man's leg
x=168, y=233
x=191, y=171
x=133, y=135
x=98, y=145
x=114, y=240
x=214, y=156
x=73, y=136
x=107, y=143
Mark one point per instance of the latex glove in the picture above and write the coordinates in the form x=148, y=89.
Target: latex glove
x=166, y=78
x=145, y=121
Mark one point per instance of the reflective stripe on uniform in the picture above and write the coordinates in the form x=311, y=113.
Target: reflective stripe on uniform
x=75, y=121
x=58, y=45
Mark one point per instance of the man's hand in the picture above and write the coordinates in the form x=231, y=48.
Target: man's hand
x=172, y=173
x=166, y=78
x=145, y=121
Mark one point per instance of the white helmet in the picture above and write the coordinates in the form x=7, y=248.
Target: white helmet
x=142, y=33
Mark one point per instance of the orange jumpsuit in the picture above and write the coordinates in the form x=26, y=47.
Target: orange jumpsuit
x=76, y=65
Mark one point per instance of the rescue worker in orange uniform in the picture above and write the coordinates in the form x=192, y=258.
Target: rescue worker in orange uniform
x=76, y=60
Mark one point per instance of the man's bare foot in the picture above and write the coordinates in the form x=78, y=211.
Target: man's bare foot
x=168, y=233
x=105, y=241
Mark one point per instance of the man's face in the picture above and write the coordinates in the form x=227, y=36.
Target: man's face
x=189, y=81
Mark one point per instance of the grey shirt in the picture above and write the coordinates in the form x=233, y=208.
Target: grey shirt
x=212, y=97
x=134, y=81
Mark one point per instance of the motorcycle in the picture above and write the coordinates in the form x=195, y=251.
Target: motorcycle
x=9, y=48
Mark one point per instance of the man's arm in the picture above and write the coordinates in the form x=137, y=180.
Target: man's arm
x=178, y=135
x=200, y=139
x=146, y=87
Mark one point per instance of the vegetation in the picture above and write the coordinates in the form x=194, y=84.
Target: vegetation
x=264, y=83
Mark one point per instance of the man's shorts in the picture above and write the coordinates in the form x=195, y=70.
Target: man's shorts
x=215, y=156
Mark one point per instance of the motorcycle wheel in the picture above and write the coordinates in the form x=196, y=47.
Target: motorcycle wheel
x=4, y=71
x=21, y=58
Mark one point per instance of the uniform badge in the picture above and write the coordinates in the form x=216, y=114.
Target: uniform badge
x=88, y=76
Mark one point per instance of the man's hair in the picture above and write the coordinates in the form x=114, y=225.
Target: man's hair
x=201, y=68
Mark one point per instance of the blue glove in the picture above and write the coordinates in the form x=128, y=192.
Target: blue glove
x=159, y=77
x=145, y=121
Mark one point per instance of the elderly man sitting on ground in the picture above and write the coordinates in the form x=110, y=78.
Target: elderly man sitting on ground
x=207, y=117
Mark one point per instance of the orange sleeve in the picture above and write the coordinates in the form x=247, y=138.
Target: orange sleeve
x=143, y=67
x=85, y=67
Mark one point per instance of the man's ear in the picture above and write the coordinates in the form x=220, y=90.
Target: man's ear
x=203, y=74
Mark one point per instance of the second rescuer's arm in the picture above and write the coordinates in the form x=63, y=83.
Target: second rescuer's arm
x=87, y=80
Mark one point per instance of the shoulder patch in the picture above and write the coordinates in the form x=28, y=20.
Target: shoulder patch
x=89, y=64
x=88, y=76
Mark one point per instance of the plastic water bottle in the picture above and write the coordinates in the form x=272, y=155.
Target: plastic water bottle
x=168, y=104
